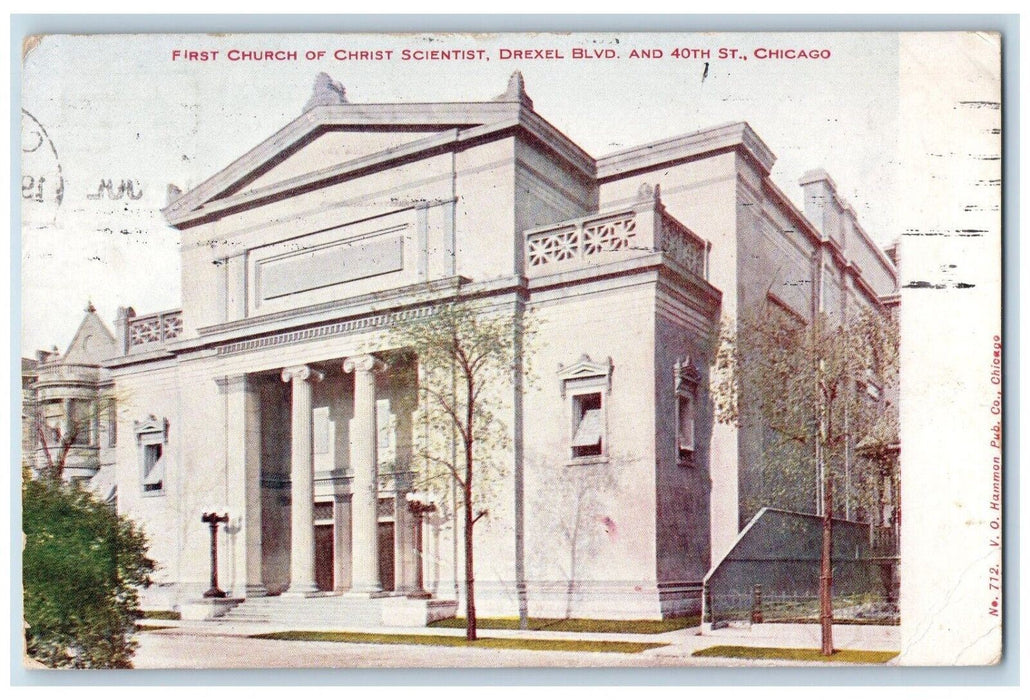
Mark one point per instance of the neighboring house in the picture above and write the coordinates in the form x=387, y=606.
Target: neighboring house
x=621, y=489
x=69, y=409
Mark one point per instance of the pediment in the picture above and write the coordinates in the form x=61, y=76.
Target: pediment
x=328, y=137
x=324, y=149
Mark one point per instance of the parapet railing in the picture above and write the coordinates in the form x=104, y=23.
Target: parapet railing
x=609, y=235
x=146, y=332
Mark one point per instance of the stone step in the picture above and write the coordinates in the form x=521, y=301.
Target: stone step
x=300, y=612
x=340, y=611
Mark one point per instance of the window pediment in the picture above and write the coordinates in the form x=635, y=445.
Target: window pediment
x=150, y=430
x=688, y=378
x=586, y=371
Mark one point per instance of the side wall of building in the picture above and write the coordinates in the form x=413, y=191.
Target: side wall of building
x=702, y=194
x=590, y=531
x=684, y=344
x=145, y=391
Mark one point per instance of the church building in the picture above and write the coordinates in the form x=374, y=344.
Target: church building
x=267, y=395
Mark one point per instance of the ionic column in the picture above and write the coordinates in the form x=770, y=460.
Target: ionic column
x=365, y=489
x=302, y=482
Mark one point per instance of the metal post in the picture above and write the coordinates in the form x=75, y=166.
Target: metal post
x=213, y=519
x=756, y=605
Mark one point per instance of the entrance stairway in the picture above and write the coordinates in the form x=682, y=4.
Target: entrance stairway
x=336, y=611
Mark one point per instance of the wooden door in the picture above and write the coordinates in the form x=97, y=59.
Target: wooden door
x=324, y=557
x=386, y=556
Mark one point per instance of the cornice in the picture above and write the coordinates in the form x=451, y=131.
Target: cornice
x=735, y=136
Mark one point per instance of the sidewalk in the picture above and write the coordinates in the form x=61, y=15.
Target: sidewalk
x=246, y=629
x=680, y=643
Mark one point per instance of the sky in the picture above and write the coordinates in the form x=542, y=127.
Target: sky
x=129, y=110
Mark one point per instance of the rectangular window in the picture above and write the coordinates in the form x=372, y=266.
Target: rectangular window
x=81, y=422
x=586, y=384
x=324, y=512
x=151, y=438
x=53, y=417
x=588, y=434
x=688, y=378
x=153, y=470
x=112, y=425
x=685, y=426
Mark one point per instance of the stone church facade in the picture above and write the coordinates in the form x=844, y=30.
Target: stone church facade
x=265, y=395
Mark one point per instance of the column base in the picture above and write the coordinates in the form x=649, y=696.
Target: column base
x=255, y=590
x=367, y=591
x=303, y=590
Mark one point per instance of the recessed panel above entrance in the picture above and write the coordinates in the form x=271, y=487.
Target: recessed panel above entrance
x=333, y=264
x=328, y=265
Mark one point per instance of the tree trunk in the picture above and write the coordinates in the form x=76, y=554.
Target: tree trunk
x=826, y=570
x=470, y=583
x=470, y=518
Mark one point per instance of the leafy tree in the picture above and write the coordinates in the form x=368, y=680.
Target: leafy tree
x=467, y=357
x=82, y=565
x=817, y=394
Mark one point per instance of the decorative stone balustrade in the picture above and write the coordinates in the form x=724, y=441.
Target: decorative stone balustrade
x=63, y=373
x=615, y=234
x=684, y=246
x=146, y=332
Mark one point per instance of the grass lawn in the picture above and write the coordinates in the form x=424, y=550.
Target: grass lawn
x=551, y=624
x=448, y=641
x=784, y=654
x=161, y=615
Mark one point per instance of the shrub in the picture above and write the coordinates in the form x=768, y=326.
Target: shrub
x=82, y=567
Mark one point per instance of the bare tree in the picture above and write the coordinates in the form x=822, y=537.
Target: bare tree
x=576, y=499
x=468, y=357
x=815, y=391
x=76, y=426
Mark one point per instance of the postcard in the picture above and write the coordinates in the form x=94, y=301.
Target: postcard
x=475, y=350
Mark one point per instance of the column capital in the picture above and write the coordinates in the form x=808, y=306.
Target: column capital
x=303, y=373
x=363, y=363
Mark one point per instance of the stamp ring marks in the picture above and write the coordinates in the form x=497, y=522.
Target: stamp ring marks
x=42, y=181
